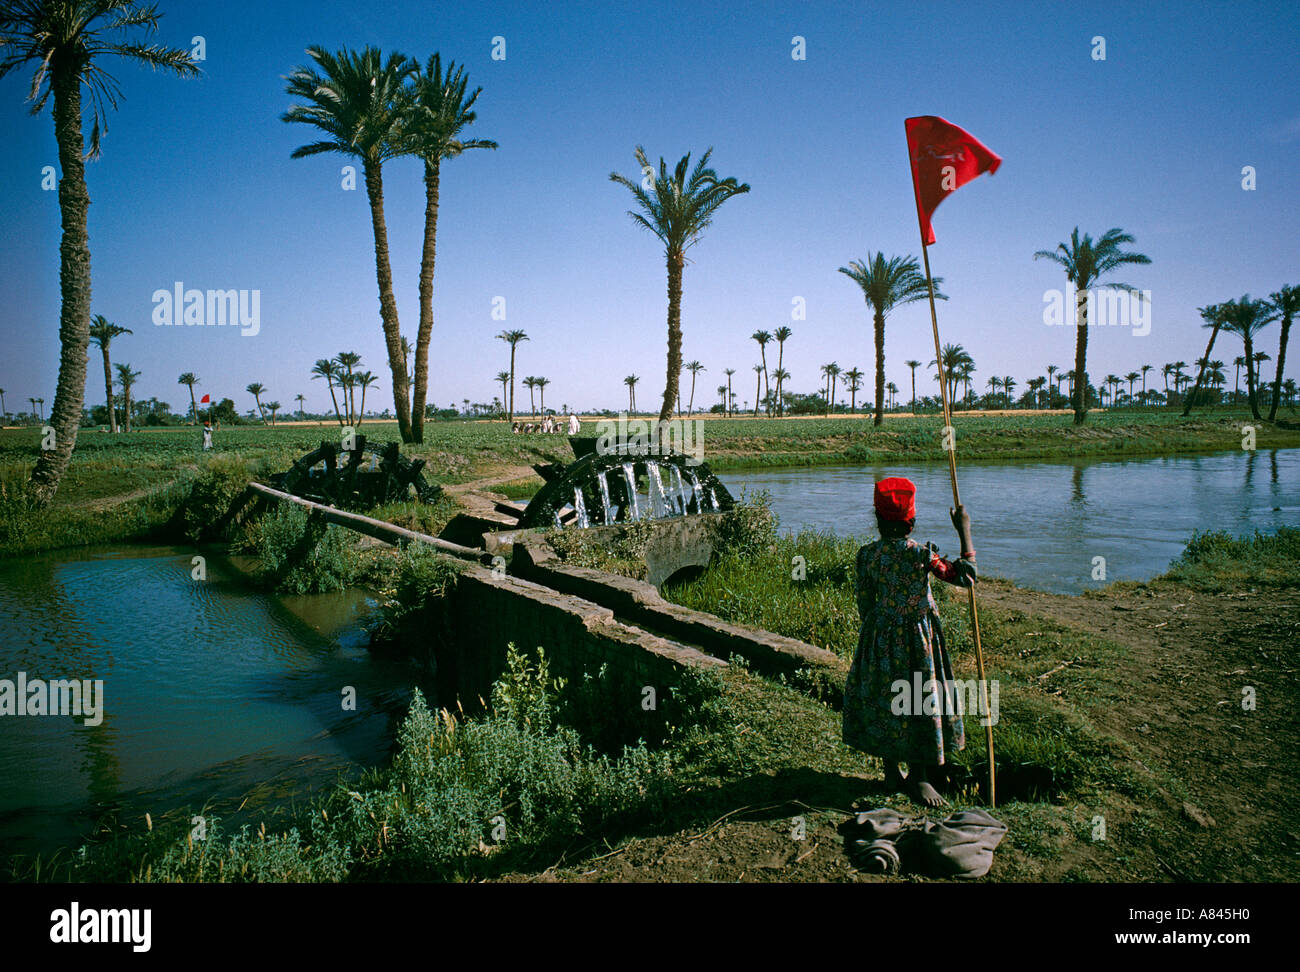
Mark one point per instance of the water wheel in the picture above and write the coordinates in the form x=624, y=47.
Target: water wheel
x=357, y=478
x=614, y=488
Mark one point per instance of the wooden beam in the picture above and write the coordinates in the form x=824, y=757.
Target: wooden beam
x=380, y=530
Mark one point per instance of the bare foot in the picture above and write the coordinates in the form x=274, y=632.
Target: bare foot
x=927, y=794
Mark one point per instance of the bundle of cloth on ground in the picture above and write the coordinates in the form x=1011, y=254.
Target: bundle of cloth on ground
x=959, y=846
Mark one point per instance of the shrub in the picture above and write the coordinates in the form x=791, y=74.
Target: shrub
x=300, y=555
x=222, y=480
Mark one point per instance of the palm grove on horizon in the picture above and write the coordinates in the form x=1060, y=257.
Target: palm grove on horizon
x=377, y=108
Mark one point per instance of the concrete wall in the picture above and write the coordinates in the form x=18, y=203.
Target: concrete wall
x=465, y=637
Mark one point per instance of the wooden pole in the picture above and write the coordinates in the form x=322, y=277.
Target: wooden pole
x=950, y=446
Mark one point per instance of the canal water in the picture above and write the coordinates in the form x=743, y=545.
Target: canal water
x=1043, y=524
x=213, y=693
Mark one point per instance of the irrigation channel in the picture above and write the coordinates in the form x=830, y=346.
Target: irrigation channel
x=221, y=692
x=1041, y=524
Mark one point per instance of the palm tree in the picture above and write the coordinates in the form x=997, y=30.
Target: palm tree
x=190, y=379
x=66, y=43
x=1289, y=389
x=4, y=412
x=541, y=384
x=356, y=99
x=273, y=407
x=631, y=381
x=33, y=401
x=300, y=398
x=1051, y=370
x=41, y=402
x=1036, y=386
x=1178, y=367
x=1217, y=377
x=437, y=109
x=730, y=398
x=531, y=384
x=347, y=360
x=1285, y=303
x=1213, y=315
x=512, y=338
x=913, y=365
x=504, y=378
x=694, y=367
x=955, y=362
x=893, y=391
x=257, y=390
x=994, y=384
x=887, y=284
x=329, y=370
x=782, y=334
x=102, y=333
x=853, y=381
x=1144, y=369
x=1084, y=262
x=1245, y=317
x=1008, y=386
x=1240, y=362
x=1111, y=381
x=126, y=379
x=759, y=372
x=363, y=379
x=781, y=376
x=677, y=210
x=762, y=337
x=1167, y=370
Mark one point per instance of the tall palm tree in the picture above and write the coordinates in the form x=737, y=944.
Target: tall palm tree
x=1285, y=303
x=363, y=379
x=126, y=380
x=1240, y=362
x=102, y=332
x=257, y=390
x=893, y=392
x=677, y=209
x=1036, y=386
x=1131, y=378
x=437, y=110
x=913, y=365
x=329, y=370
x=782, y=334
x=729, y=372
x=759, y=372
x=190, y=379
x=955, y=360
x=512, y=338
x=631, y=381
x=357, y=100
x=41, y=403
x=762, y=337
x=273, y=407
x=694, y=367
x=504, y=378
x=1245, y=317
x=347, y=361
x=887, y=284
x=1111, y=381
x=541, y=383
x=1008, y=386
x=1085, y=262
x=853, y=381
x=531, y=384
x=1051, y=370
x=300, y=398
x=1144, y=369
x=994, y=384
x=33, y=401
x=1214, y=317
x=66, y=42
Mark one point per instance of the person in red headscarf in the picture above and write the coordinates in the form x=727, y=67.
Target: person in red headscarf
x=899, y=701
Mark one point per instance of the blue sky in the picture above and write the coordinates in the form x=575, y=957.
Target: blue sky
x=196, y=185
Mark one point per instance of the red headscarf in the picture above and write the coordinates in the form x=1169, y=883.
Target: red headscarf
x=896, y=499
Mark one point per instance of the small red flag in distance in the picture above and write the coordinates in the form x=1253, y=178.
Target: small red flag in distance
x=204, y=400
x=944, y=158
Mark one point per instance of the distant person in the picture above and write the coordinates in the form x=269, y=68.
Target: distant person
x=574, y=425
x=902, y=640
x=515, y=428
x=207, y=436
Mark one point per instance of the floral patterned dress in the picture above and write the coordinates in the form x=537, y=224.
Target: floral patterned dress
x=902, y=638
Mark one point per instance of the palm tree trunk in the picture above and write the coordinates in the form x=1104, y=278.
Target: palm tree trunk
x=511, y=417
x=387, y=302
x=690, y=406
x=913, y=391
x=1205, y=363
x=362, y=414
x=338, y=413
x=194, y=406
x=1081, y=354
x=425, y=332
x=74, y=282
x=108, y=392
x=758, y=391
x=880, y=367
x=1250, y=379
x=1281, y=363
x=675, y=265
x=762, y=350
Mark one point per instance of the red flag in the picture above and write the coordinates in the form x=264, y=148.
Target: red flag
x=204, y=400
x=944, y=158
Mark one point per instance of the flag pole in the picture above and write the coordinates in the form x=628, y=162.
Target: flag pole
x=950, y=443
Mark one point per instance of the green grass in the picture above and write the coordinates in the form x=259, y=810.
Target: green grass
x=1216, y=561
